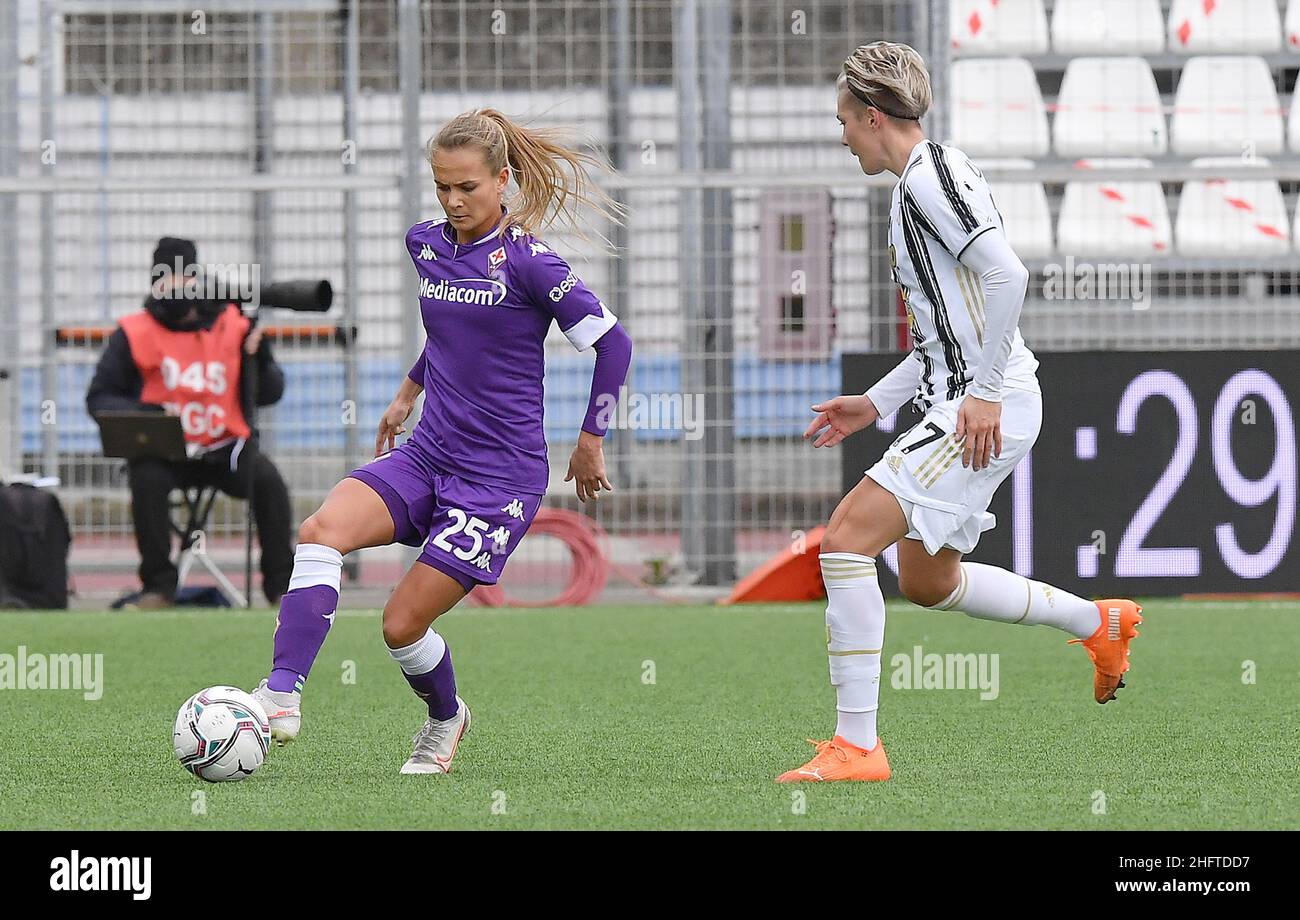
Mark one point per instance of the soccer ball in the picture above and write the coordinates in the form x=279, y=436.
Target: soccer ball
x=221, y=734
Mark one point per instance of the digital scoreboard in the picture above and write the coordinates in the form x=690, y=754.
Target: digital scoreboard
x=1154, y=473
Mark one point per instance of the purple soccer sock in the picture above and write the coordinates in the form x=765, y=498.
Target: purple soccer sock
x=435, y=685
x=305, y=618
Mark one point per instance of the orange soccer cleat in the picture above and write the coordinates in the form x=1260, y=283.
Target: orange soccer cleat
x=838, y=760
x=1108, y=646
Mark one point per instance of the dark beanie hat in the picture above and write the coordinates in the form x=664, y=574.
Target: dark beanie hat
x=169, y=249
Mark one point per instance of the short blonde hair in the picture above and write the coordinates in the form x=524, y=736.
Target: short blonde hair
x=890, y=77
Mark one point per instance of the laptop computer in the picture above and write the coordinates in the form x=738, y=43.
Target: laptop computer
x=133, y=435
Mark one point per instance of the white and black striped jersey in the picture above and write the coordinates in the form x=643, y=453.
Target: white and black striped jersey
x=940, y=205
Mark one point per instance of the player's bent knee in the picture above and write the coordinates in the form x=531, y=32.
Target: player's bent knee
x=402, y=626
x=925, y=592
x=311, y=530
x=319, y=530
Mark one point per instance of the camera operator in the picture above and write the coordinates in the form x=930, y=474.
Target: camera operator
x=184, y=354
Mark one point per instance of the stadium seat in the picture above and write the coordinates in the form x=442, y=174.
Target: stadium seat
x=1236, y=26
x=1223, y=105
x=998, y=27
x=1234, y=217
x=1114, y=219
x=1109, y=106
x=1108, y=27
x=1024, y=210
x=997, y=108
x=1291, y=29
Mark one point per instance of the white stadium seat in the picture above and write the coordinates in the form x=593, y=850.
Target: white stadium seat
x=997, y=108
x=1108, y=27
x=1240, y=26
x=1223, y=105
x=1231, y=217
x=1292, y=27
x=1114, y=219
x=998, y=27
x=1109, y=106
x=1024, y=210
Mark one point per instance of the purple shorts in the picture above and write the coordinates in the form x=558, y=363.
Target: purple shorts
x=468, y=530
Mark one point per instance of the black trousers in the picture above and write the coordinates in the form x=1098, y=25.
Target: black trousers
x=151, y=481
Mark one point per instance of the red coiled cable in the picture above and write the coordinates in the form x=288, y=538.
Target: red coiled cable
x=588, y=573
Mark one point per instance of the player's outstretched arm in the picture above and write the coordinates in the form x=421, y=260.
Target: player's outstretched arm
x=840, y=417
x=897, y=387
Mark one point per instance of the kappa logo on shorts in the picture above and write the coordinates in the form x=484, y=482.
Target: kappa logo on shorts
x=515, y=509
x=499, y=537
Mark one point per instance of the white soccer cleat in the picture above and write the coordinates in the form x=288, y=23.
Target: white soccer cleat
x=282, y=711
x=436, y=743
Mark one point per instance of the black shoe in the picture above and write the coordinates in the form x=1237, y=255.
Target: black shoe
x=150, y=600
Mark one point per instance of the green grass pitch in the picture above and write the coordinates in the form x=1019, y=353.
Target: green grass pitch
x=671, y=717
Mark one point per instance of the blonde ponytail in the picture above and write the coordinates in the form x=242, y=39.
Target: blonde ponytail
x=554, y=180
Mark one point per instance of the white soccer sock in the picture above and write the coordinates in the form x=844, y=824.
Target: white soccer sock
x=990, y=593
x=422, y=655
x=855, y=630
x=316, y=564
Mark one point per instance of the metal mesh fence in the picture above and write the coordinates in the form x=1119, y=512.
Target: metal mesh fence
x=279, y=134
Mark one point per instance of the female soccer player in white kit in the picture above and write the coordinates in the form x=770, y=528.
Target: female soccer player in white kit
x=973, y=379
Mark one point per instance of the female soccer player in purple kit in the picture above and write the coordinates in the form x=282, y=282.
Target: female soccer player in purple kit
x=472, y=474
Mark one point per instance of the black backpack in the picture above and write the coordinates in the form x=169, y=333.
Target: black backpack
x=34, y=543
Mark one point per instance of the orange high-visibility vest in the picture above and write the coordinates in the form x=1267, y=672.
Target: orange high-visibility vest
x=194, y=373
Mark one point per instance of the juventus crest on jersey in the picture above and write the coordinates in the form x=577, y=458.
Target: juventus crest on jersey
x=940, y=205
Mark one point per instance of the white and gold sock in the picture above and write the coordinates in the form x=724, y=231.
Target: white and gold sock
x=990, y=593
x=855, y=633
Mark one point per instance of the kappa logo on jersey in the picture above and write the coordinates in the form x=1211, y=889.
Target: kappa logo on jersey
x=568, y=284
x=481, y=292
x=427, y=253
x=515, y=509
x=516, y=232
x=496, y=257
x=535, y=248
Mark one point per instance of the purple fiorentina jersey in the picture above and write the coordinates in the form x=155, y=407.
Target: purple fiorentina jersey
x=487, y=306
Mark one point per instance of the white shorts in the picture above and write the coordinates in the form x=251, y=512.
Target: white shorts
x=945, y=503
